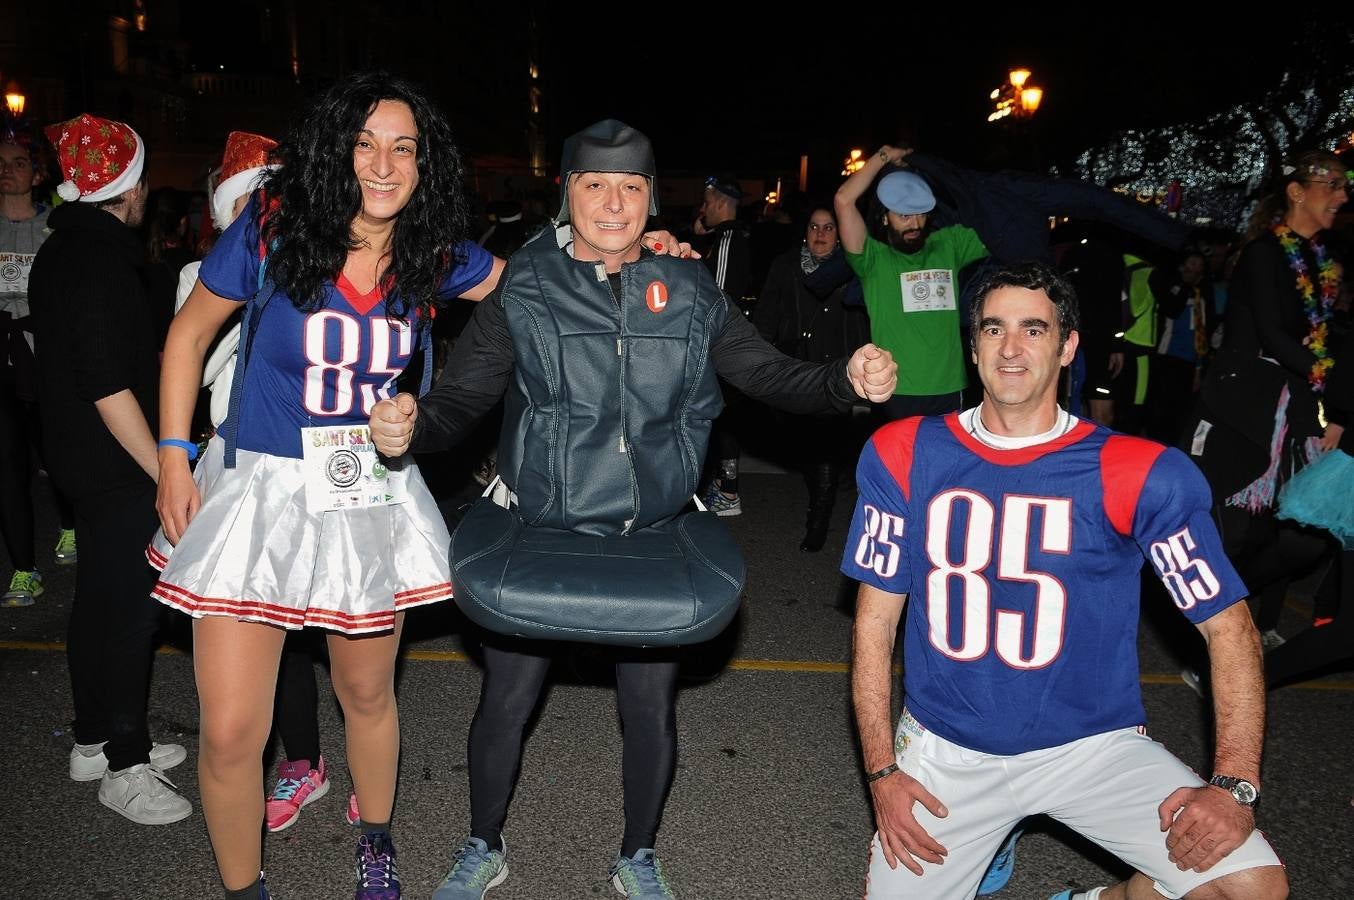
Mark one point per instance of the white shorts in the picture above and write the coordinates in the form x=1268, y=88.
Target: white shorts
x=255, y=552
x=1106, y=787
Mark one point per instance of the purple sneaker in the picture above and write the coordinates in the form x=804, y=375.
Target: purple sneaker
x=377, y=876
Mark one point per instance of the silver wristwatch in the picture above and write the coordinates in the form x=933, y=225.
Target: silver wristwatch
x=1242, y=791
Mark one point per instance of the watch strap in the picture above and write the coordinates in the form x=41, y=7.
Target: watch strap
x=1229, y=783
x=882, y=773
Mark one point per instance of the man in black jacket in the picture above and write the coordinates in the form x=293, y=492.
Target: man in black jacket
x=98, y=376
x=725, y=245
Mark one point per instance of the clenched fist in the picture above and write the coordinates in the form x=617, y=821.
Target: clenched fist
x=392, y=424
x=873, y=373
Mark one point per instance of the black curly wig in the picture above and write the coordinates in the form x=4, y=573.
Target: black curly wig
x=312, y=200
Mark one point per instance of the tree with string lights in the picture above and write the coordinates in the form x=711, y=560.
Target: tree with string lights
x=1222, y=162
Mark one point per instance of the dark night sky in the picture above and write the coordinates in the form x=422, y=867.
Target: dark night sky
x=752, y=96
x=721, y=87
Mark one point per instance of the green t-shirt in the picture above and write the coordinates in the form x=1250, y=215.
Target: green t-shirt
x=913, y=299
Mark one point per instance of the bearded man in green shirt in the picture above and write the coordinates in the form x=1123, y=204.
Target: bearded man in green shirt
x=911, y=284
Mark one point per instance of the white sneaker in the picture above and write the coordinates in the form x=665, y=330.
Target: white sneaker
x=88, y=762
x=1193, y=681
x=143, y=794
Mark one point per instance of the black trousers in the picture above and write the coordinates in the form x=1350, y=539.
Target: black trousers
x=19, y=434
x=16, y=478
x=113, y=622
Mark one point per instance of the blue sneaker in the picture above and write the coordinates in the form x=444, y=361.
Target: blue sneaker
x=716, y=502
x=377, y=876
x=1002, y=867
x=1062, y=895
x=476, y=869
x=641, y=877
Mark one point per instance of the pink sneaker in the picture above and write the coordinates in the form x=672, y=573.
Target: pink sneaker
x=351, y=813
x=298, y=785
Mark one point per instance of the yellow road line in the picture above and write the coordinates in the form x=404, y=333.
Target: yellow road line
x=800, y=666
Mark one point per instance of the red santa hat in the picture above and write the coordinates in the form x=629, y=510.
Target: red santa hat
x=99, y=158
x=247, y=160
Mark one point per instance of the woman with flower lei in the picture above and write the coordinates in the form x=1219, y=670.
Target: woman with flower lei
x=1272, y=375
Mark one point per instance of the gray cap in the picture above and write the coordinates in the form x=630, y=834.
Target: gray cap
x=607, y=146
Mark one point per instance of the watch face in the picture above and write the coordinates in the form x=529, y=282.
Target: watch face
x=1244, y=792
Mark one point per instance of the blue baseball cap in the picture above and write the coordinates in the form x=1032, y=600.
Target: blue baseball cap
x=905, y=193
x=726, y=185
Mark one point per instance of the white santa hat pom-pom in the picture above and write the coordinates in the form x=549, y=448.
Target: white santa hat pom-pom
x=67, y=191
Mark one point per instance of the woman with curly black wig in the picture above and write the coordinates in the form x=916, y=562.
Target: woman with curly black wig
x=291, y=519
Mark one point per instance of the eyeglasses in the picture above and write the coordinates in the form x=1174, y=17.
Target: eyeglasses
x=1334, y=184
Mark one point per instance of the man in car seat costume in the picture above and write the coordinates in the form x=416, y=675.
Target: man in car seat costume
x=608, y=355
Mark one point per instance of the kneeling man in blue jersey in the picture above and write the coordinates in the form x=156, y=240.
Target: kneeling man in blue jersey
x=1018, y=532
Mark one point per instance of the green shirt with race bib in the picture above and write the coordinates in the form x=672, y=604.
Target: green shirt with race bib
x=913, y=299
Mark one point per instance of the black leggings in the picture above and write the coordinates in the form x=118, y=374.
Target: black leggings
x=1315, y=648
x=646, y=691
x=297, y=707
x=1269, y=554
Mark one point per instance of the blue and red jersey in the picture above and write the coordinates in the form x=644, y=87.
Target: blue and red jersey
x=1022, y=573
x=328, y=367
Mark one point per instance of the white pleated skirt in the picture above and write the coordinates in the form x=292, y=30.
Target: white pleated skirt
x=255, y=552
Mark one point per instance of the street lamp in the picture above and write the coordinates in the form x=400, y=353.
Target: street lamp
x=14, y=100
x=1017, y=97
x=854, y=163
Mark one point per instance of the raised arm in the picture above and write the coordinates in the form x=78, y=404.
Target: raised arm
x=850, y=223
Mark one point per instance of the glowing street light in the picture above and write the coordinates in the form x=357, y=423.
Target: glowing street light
x=1016, y=98
x=14, y=100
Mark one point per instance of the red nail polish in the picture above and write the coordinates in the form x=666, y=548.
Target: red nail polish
x=657, y=247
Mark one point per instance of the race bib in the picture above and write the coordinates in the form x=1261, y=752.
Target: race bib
x=928, y=290
x=14, y=272
x=342, y=470
x=907, y=743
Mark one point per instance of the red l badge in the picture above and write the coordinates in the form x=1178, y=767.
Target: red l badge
x=656, y=296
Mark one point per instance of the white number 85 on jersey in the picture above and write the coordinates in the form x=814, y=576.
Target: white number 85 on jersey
x=877, y=549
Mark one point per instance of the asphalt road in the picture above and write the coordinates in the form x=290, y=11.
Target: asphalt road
x=768, y=800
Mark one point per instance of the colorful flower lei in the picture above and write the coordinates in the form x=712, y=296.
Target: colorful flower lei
x=1317, y=308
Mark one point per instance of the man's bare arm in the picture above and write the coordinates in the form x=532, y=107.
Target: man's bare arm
x=1206, y=823
x=877, y=616
x=1237, y=669
x=901, y=836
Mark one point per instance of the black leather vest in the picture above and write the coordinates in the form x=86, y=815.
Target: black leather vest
x=608, y=416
